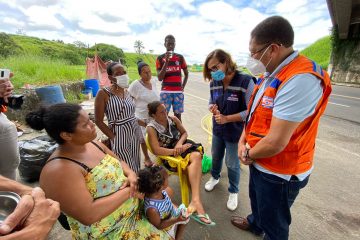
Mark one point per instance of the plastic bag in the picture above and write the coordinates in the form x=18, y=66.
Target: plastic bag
x=206, y=163
x=33, y=155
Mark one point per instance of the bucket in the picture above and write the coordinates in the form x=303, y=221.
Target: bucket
x=93, y=84
x=50, y=94
x=88, y=93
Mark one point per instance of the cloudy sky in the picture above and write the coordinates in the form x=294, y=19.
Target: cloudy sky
x=199, y=26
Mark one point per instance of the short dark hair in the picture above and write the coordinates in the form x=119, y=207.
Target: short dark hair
x=169, y=37
x=151, y=179
x=274, y=29
x=57, y=118
x=223, y=57
x=140, y=65
x=109, y=68
x=152, y=107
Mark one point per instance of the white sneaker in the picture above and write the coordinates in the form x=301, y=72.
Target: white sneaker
x=209, y=185
x=232, y=202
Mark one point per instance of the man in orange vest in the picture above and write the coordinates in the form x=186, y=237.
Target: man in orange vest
x=278, y=141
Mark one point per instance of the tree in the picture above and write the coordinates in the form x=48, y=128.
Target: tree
x=20, y=31
x=110, y=52
x=139, y=46
x=80, y=44
x=8, y=46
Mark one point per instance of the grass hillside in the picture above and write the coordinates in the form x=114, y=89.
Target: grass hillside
x=44, y=62
x=319, y=51
x=41, y=70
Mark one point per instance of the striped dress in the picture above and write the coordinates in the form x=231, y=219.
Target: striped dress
x=120, y=113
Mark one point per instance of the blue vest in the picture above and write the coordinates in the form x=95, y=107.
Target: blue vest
x=230, y=101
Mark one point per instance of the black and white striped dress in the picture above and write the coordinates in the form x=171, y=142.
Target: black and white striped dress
x=120, y=113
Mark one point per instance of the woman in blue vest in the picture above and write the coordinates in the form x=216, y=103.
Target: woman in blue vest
x=230, y=92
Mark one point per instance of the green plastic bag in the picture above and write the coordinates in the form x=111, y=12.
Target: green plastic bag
x=206, y=163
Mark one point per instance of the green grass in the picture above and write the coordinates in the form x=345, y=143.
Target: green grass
x=40, y=70
x=133, y=58
x=47, y=62
x=319, y=51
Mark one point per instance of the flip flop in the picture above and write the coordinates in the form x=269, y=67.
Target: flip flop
x=198, y=217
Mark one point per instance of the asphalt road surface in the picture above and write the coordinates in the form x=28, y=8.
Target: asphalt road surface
x=328, y=208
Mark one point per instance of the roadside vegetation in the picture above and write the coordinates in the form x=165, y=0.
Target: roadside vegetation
x=38, y=62
x=319, y=51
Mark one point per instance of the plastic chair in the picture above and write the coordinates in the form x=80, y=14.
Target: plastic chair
x=183, y=179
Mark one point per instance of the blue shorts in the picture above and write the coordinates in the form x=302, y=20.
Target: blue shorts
x=176, y=100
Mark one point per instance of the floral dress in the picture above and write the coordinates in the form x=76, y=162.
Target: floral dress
x=127, y=222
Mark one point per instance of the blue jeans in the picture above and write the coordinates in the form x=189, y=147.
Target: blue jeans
x=231, y=160
x=271, y=198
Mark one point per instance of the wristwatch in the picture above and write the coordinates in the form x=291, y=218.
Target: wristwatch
x=247, y=153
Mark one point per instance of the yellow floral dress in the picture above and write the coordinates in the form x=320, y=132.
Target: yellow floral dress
x=127, y=222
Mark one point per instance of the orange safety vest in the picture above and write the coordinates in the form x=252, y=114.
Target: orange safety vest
x=2, y=108
x=297, y=157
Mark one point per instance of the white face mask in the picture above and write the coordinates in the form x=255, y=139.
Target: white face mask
x=256, y=67
x=122, y=81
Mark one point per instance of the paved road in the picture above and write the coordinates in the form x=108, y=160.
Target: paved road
x=328, y=208
x=344, y=103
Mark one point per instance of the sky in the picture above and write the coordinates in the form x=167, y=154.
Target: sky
x=198, y=26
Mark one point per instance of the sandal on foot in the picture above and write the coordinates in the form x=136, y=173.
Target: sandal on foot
x=198, y=217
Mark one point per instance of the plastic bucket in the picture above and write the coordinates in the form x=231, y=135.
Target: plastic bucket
x=93, y=84
x=50, y=94
x=87, y=92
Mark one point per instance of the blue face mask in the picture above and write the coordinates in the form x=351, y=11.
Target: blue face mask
x=218, y=75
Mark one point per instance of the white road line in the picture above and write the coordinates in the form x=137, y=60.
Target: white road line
x=337, y=95
x=338, y=148
x=339, y=104
x=206, y=100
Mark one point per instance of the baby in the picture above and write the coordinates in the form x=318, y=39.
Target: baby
x=159, y=209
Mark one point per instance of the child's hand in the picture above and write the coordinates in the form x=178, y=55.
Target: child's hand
x=183, y=219
x=139, y=195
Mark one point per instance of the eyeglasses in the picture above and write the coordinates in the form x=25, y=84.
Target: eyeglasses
x=258, y=51
x=215, y=68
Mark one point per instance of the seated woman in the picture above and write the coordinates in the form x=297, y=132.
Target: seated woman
x=95, y=190
x=167, y=136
